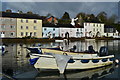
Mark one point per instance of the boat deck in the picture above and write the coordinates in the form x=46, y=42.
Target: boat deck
x=58, y=51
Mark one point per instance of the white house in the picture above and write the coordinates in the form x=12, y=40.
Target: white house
x=50, y=31
x=111, y=31
x=93, y=29
x=71, y=32
x=61, y=30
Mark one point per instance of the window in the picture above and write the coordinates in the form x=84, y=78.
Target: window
x=113, y=34
x=35, y=28
x=3, y=26
x=77, y=34
x=77, y=29
x=11, y=34
x=85, y=24
x=53, y=34
x=53, y=29
x=81, y=29
x=21, y=27
x=11, y=19
x=26, y=27
x=94, y=25
x=97, y=25
x=85, y=29
x=93, y=29
x=30, y=33
x=26, y=33
x=45, y=29
x=21, y=20
x=11, y=26
x=35, y=21
x=2, y=32
x=100, y=25
x=97, y=29
x=35, y=33
x=26, y=21
x=22, y=34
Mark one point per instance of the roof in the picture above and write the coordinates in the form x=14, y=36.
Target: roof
x=78, y=26
x=21, y=15
x=59, y=25
x=108, y=26
x=95, y=21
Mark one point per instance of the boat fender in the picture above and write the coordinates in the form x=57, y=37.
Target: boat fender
x=71, y=61
x=85, y=60
x=116, y=61
x=65, y=53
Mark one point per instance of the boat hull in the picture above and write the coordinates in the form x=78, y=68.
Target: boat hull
x=49, y=62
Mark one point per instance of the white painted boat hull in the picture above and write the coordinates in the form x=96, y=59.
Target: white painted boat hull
x=49, y=62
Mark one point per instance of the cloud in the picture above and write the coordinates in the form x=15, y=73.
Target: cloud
x=60, y=1
x=58, y=8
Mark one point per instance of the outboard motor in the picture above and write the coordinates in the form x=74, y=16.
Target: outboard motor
x=73, y=49
x=90, y=49
x=103, y=51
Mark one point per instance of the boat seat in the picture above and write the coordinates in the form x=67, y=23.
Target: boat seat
x=103, y=51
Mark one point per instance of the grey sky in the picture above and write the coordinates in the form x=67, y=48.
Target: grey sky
x=60, y=0
x=58, y=8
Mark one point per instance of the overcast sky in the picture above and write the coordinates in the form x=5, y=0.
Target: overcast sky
x=58, y=8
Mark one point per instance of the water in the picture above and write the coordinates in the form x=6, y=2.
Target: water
x=16, y=64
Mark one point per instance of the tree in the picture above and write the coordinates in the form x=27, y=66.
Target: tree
x=83, y=15
x=66, y=16
x=29, y=12
x=49, y=15
x=112, y=19
x=65, y=19
x=102, y=17
x=90, y=18
x=81, y=18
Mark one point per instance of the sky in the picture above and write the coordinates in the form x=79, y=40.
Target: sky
x=57, y=9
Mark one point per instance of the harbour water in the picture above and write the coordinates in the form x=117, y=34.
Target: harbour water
x=16, y=65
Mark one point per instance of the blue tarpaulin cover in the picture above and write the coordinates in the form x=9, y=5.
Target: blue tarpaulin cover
x=33, y=61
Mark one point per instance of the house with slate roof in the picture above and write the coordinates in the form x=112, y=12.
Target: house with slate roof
x=18, y=25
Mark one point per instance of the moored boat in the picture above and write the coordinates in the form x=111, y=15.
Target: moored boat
x=55, y=58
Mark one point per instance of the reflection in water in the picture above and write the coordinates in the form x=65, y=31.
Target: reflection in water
x=14, y=61
x=88, y=74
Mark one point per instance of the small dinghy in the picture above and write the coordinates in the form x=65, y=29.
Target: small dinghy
x=55, y=58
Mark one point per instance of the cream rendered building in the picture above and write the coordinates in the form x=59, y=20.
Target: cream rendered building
x=29, y=27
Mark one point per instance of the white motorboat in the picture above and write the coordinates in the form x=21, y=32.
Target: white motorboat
x=54, y=58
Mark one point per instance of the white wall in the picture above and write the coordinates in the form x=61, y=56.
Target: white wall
x=93, y=28
x=71, y=31
x=52, y=31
